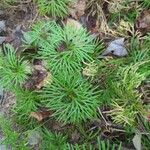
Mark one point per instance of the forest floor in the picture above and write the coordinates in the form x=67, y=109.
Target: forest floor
x=124, y=29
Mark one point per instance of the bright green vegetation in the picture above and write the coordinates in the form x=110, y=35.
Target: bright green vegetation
x=145, y=3
x=72, y=98
x=64, y=49
x=54, y=8
x=97, y=96
x=13, y=70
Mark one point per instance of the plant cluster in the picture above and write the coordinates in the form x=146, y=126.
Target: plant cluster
x=83, y=82
x=145, y=3
x=72, y=98
x=13, y=71
x=65, y=49
x=54, y=8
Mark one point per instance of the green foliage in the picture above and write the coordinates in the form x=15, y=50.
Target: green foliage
x=138, y=51
x=53, y=141
x=26, y=102
x=13, y=70
x=106, y=145
x=146, y=42
x=67, y=48
x=98, y=49
x=72, y=98
x=12, y=138
x=126, y=101
x=100, y=145
x=145, y=3
x=80, y=147
x=64, y=49
x=146, y=137
x=38, y=34
x=54, y=8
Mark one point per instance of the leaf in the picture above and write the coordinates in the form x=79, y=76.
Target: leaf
x=143, y=22
x=77, y=8
x=137, y=141
x=39, y=78
x=116, y=48
x=40, y=115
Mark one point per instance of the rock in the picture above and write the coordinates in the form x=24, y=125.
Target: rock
x=34, y=138
x=1, y=95
x=2, y=39
x=137, y=141
x=3, y=147
x=2, y=12
x=2, y=26
x=116, y=48
x=17, y=36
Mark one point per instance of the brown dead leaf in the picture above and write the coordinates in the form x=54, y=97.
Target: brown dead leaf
x=143, y=22
x=77, y=8
x=39, y=78
x=91, y=24
x=40, y=115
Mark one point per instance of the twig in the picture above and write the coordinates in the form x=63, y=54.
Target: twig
x=107, y=124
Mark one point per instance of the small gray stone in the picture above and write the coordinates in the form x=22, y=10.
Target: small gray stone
x=2, y=26
x=2, y=12
x=34, y=138
x=116, y=48
x=4, y=147
x=2, y=39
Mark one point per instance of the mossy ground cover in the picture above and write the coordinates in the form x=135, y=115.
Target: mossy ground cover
x=79, y=72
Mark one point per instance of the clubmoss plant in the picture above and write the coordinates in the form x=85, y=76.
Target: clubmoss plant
x=53, y=141
x=100, y=145
x=54, y=8
x=13, y=70
x=12, y=139
x=103, y=145
x=126, y=102
x=67, y=48
x=63, y=48
x=38, y=34
x=72, y=98
x=145, y=3
x=26, y=102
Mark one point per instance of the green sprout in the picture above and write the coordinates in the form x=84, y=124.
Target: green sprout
x=54, y=8
x=12, y=139
x=145, y=3
x=13, y=70
x=26, y=102
x=53, y=141
x=72, y=98
x=67, y=48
